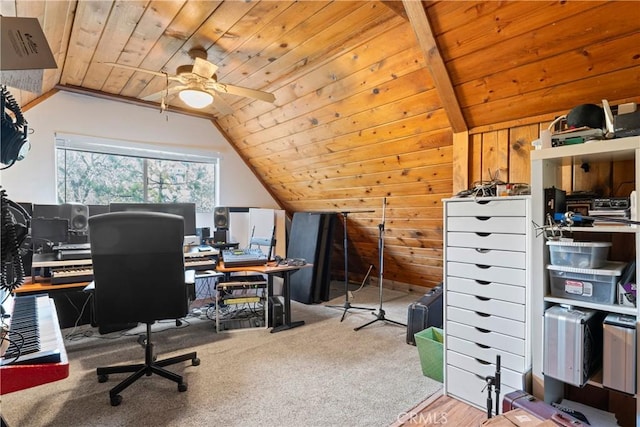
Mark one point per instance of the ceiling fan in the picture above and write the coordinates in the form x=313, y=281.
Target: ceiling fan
x=197, y=84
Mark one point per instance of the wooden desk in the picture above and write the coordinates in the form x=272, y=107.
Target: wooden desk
x=272, y=269
x=44, y=285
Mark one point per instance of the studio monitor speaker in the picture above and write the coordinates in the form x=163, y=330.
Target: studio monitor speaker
x=221, y=217
x=77, y=214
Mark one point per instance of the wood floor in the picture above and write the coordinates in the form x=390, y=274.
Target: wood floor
x=442, y=410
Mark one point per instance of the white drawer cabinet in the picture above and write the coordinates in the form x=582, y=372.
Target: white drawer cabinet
x=487, y=288
x=484, y=289
x=485, y=337
x=489, y=273
x=484, y=352
x=471, y=385
x=489, y=306
x=490, y=257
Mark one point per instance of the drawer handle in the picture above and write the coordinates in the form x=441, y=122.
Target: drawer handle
x=483, y=266
x=482, y=345
x=482, y=314
x=483, y=298
x=483, y=251
x=483, y=218
x=482, y=362
x=482, y=282
x=479, y=234
x=481, y=330
x=480, y=377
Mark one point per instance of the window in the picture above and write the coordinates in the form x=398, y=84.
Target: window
x=95, y=171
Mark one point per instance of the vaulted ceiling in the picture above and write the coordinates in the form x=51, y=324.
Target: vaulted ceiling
x=368, y=94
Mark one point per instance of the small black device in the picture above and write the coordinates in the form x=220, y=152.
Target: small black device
x=203, y=233
x=276, y=312
x=554, y=201
x=220, y=236
x=611, y=203
x=627, y=124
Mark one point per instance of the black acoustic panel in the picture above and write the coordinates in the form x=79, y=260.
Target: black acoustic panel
x=303, y=243
x=322, y=286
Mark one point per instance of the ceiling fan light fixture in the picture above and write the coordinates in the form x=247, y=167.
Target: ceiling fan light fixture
x=196, y=98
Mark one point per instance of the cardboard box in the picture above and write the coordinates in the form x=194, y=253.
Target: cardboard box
x=517, y=418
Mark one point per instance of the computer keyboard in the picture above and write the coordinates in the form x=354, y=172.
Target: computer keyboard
x=72, y=246
x=72, y=254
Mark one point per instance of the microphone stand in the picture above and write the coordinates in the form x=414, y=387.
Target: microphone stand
x=381, y=314
x=497, y=384
x=347, y=305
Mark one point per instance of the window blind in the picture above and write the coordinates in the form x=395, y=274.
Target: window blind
x=94, y=144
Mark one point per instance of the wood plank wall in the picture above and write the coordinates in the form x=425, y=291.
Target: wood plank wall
x=504, y=154
x=360, y=123
x=357, y=119
x=501, y=151
x=363, y=122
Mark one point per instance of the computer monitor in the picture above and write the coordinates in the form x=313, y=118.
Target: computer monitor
x=97, y=209
x=46, y=211
x=185, y=210
x=48, y=232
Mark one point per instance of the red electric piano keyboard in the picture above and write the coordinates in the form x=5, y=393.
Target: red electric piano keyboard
x=36, y=353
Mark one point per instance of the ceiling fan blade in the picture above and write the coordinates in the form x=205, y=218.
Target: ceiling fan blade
x=243, y=91
x=164, y=92
x=221, y=105
x=128, y=67
x=204, y=68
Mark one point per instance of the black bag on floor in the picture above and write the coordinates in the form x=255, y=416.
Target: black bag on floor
x=425, y=312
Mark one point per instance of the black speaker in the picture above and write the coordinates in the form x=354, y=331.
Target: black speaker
x=221, y=217
x=77, y=214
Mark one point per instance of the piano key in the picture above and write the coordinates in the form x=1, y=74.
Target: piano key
x=41, y=331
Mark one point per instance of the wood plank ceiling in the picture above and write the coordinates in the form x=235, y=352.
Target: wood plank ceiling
x=359, y=114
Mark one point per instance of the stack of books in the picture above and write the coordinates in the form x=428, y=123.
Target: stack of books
x=608, y=217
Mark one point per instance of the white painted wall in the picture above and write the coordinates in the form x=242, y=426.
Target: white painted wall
x=33, y=179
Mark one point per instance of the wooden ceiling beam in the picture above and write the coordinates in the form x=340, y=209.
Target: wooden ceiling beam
x=132, y=101
x=396, y=6
x=427, y=41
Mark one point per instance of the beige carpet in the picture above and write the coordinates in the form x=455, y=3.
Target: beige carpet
x=321, y=374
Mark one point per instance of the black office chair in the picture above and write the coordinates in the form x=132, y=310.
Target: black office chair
x=138, y=269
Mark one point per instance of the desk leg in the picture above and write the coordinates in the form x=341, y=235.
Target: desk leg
x=288, y=324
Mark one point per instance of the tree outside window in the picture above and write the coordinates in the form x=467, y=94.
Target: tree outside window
x=94, y=178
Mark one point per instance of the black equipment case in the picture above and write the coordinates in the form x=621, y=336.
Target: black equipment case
x=425, y=312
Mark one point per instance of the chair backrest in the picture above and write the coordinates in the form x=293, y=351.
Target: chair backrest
x=138, y=267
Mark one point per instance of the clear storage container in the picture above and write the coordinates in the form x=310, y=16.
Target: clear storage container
x=578, y=254
x=592, y=285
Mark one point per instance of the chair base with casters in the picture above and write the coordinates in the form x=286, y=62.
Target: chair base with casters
x=150, y=366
